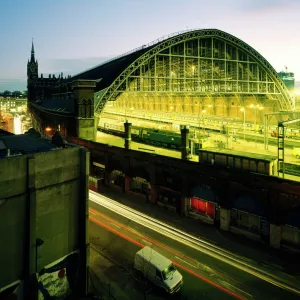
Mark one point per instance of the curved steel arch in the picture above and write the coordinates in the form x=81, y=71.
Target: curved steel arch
x=286, y=103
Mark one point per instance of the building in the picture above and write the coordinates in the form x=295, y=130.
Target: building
x=40, y=87
x=13, y=105
x=43, y=209
x=288, y=79
x=184, y=75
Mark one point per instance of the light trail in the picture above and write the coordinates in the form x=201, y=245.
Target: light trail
x=124, y=236
x=194, y=242
x=17, y=125
x=186, y=259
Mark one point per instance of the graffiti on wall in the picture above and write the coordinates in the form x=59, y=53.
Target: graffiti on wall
x=58, y=280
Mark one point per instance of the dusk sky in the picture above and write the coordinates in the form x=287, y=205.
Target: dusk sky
x=73, y=35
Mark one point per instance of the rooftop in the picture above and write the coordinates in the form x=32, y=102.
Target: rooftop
x=58, y=105
x=154, y=257
x=23, y=144
x=107, y=72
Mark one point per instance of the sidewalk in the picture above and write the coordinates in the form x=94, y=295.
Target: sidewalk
x=236, y=244
x=108, y=280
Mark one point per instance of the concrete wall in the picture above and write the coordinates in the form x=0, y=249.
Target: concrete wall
x=12, y=217
x=57, y=198
x=41, y=197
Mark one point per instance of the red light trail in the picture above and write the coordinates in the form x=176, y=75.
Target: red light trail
x=124, y=236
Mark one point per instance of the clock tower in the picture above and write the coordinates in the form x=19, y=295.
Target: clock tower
x=32, y=76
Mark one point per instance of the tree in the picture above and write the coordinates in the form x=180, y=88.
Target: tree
x=16, y=94
x=6, y=93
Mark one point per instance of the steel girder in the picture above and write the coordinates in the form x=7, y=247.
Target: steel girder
x=285, y=101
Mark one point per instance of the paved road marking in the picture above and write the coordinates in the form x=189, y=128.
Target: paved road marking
x=116, y=225
x=242, y=292
x=186, y=262
x=147, y=243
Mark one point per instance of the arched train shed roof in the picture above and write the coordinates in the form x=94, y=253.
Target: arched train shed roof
x=112, y=74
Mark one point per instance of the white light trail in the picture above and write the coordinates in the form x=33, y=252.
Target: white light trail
x=17, y=125
x=195, y=243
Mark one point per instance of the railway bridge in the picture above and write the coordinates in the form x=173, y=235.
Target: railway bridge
x=195, y=73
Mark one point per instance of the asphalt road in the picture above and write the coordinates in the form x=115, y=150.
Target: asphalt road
x=204, y=277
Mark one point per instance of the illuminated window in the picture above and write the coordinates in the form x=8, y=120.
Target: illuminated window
x=202, y=206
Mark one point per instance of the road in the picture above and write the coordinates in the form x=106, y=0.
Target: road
x=207, y=275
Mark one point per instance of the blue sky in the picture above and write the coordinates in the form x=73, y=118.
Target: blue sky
x=73, y=35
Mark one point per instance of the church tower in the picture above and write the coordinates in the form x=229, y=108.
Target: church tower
x=32, y=76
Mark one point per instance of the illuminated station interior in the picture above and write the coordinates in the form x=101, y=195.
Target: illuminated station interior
x=211, y=82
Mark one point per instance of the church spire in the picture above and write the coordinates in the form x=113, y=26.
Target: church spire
x=32, y=52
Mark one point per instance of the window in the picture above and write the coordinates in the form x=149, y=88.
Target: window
x=167, y=272
x=158, y=274
x=245, y=220
x=291, y=235
x=202, y=206
x=89, y=108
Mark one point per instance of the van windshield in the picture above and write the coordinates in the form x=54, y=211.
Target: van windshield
x=167, y=272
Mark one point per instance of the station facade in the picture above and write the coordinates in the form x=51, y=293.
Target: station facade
x=193, y=72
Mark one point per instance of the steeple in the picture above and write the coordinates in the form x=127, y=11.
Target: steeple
x=32, y=53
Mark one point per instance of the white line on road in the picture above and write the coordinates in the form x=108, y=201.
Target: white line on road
x=225, y=283
x=147, y=243
x=112, y=223
x=186, y=262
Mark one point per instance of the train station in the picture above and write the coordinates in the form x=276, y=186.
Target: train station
x=185, y=122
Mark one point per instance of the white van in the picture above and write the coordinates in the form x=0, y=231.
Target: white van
x=158, y=269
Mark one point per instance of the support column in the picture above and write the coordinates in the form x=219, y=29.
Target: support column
x=127, y=127
x=280, y=149
x=106, y=178
x=185, y=151
x=184, y=205
x=127, y=180
x=96, y=122
x=275, y=236
x=153, y=193
x=224, y=218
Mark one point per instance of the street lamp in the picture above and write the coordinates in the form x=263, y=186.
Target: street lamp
x=244, y=113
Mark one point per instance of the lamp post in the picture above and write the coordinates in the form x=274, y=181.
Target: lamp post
x=244, y=120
